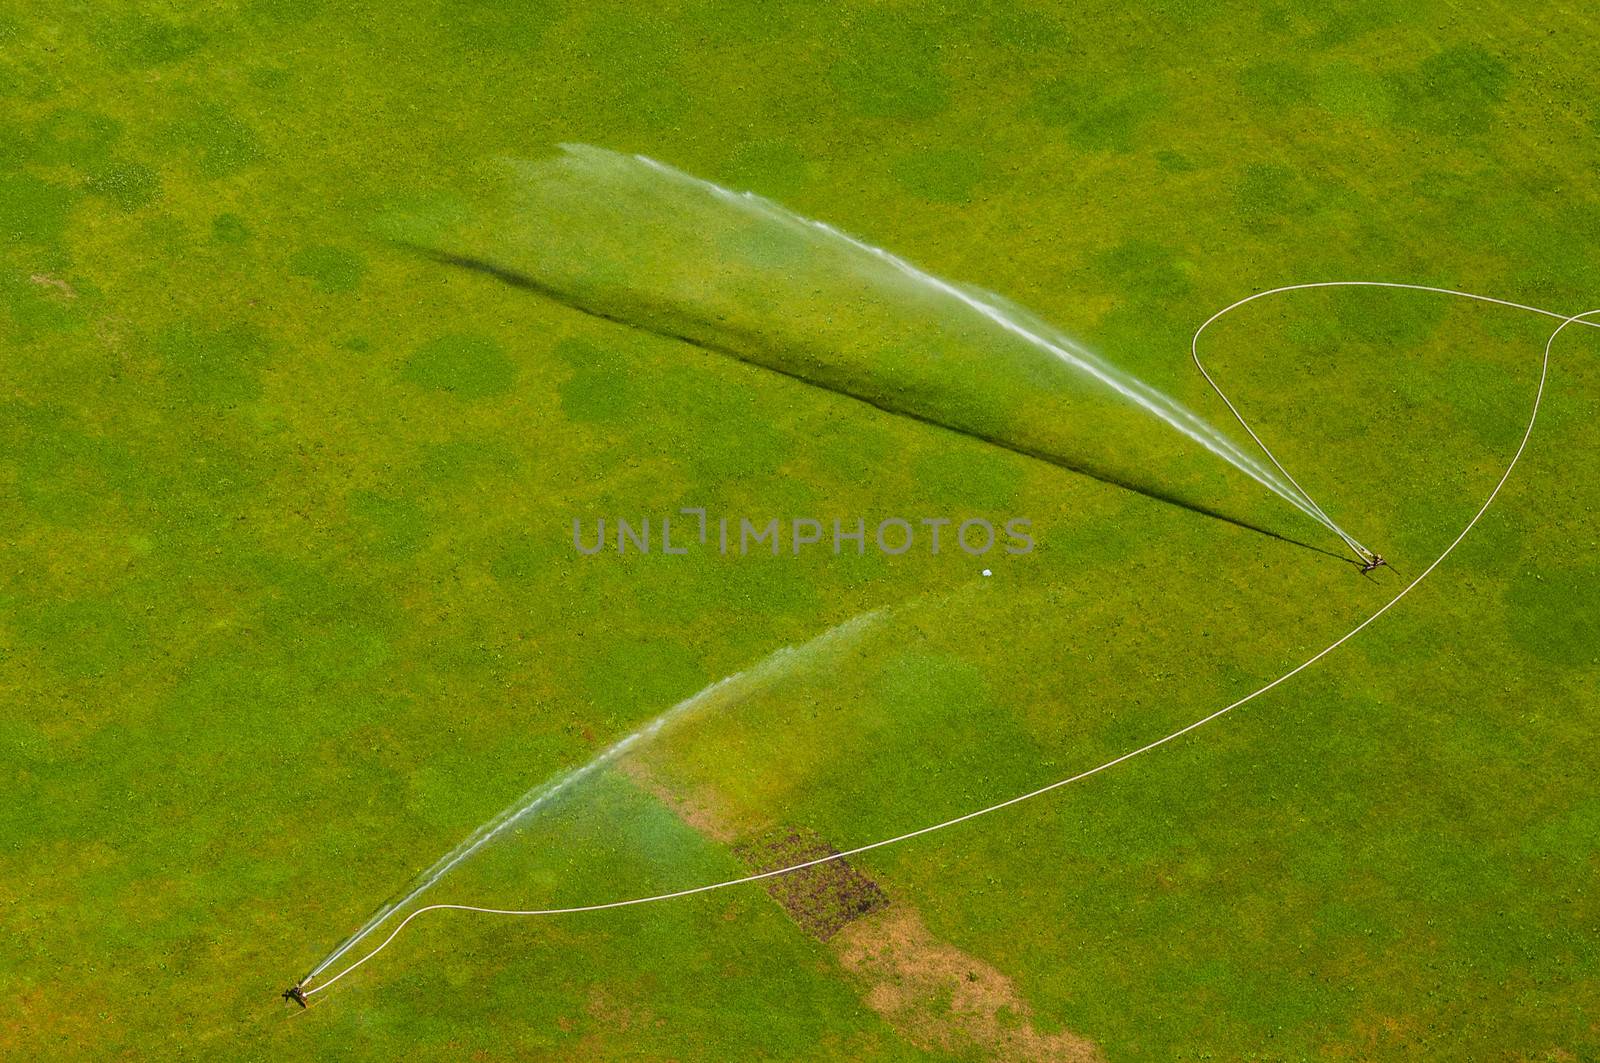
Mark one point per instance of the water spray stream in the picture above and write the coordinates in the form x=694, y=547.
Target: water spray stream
x=531, y=803
x=1022, y=324
x=1565, y=322
x=638, y=242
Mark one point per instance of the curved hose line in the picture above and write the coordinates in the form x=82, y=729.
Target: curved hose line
x=1527, y=433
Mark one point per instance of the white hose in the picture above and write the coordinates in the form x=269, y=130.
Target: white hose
x=1544, y=369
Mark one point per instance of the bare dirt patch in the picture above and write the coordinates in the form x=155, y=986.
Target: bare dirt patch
x=44, y=280
x=942, y=999
x=823, y=899
x=936, y=996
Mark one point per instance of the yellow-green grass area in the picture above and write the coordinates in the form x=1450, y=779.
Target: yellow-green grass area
x=288, y=601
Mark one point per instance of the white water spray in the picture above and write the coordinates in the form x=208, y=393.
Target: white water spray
x=1582, y=319
x=1039, y=334
x=733, y=687
x=640, y=243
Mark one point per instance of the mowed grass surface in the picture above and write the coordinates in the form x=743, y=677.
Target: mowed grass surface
x=288, y=604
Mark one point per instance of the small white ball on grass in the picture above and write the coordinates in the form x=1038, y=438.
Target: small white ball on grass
x=986, y=572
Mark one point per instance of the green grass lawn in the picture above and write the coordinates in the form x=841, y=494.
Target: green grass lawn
x=289, y=605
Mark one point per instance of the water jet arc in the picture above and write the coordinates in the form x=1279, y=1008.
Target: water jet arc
x=1527, y=434
x=636, y=242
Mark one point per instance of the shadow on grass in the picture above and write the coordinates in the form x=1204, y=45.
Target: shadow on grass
x=529, y=284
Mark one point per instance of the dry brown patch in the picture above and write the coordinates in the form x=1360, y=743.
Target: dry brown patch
x=823, y=898
x=942, y=999
x=44, y=280
x=606, y=1011
x=609, y=1017
x=935, y=996
x=699, y=810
